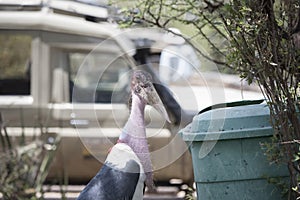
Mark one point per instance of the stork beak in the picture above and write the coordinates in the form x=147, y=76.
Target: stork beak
x=155, y=101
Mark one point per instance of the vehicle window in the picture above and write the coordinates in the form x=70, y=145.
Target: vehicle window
x=99, y=77
x=15, y=63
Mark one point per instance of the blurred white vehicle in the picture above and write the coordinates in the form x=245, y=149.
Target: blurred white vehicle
x=66, y=70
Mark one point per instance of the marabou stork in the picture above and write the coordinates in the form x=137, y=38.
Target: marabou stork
x=128, y=167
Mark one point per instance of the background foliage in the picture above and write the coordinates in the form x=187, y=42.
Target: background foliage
x=25, y=163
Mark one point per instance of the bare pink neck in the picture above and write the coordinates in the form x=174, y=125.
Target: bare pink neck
x=135, y=125
x=134, y=135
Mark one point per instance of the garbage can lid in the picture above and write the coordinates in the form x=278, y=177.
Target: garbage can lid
x=219, y=122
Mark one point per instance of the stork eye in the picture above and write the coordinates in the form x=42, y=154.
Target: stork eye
x=145, y=85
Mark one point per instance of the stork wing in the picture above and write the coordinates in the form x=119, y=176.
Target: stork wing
x=116, y=179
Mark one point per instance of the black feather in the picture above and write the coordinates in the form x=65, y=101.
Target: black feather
x=112, y=184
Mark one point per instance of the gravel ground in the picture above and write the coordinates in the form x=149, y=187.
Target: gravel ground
x=164, y=193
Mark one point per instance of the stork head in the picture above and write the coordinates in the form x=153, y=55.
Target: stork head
x=141, y=85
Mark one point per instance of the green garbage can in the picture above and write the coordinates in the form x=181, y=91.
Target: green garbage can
x=227, y=156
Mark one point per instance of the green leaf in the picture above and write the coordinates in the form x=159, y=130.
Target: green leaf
x=296, y=158
x=295, y=188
